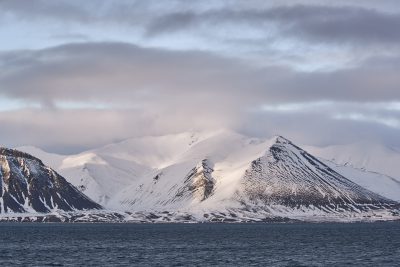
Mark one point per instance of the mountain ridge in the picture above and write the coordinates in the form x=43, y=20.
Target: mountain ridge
x=202, y=176
x=304, y=181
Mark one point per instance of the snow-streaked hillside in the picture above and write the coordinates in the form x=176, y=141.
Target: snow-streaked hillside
x=380, y=183
x=289, y=176
x=27, y=185
x=227, y=155
x=221, y=172
x=154, y=152
x=366, y=156
x=98, y=176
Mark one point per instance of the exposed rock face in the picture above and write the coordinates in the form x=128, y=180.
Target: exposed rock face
x=199, y=183
x=291, y=177
x=27, y=185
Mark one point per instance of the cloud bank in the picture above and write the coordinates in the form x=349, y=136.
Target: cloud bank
x=315, y=72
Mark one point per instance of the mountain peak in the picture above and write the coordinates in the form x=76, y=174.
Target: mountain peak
x=7, y=152
x=278, y=139
x=289, y=176
x=27, y=185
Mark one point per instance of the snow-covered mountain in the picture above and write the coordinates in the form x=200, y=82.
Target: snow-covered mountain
x=377, y=182
x=27, y=185
x=223, y=175
x=373, y=157
x=288, y=176
x=370, y=165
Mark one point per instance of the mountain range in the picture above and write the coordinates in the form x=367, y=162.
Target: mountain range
x=207, y=176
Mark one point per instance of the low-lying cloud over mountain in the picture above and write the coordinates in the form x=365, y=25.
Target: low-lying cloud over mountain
x=86, y=74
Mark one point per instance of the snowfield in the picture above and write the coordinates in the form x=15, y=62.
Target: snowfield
x=225, y=176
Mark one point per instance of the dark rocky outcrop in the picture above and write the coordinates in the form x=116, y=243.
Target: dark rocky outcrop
x=199, y=182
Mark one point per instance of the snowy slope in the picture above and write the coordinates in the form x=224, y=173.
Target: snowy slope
x=98, y=176
x=367, y=156
x=223, y=175
x=221, y=158
x=289, y=176
x=101, y=173
x=382, y=184
x=27, y=185
x=230, y=173
x=154, y=152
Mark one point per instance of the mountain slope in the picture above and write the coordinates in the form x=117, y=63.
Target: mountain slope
x=231, y=174
x=98, y=175
x=223, y=175
x=289, y=176
x=27, y=185
x=381, y=184
x=202, y=176
x=372, y=157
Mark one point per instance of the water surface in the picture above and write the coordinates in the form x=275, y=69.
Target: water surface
x=358, y=244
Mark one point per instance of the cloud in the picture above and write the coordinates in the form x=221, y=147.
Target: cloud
x=352, y=22
x=354, y=25
x=318, y=72
x=116, y=71
x=125, y=73
x=307, y=35
x=324, y=126
x=42, y=9
x=74, y=130
x=94, y=93
x=321, y=23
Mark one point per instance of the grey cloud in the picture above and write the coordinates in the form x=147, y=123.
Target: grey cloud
x=323, y=23
x=79, y=130
x=64, y=12
x=155, y=91
x=171, y=23
x=318, y=128
x=92, y=71
x=339, y=22
x=39, y=9
x=107, y=72
x=142, y=90
x=72, y=131
x=71, y=36
x=303, y=34
x=85, y=129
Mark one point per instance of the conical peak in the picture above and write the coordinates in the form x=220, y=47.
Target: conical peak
x=278, y=139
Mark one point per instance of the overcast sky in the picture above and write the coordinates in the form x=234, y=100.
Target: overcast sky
x=79, y=74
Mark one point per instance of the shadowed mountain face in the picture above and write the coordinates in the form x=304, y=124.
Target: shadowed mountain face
x=27, y=185
x=291, y=177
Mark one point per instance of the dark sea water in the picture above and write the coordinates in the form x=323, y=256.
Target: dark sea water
x=374, y=244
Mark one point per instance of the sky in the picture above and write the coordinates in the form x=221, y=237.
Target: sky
x=75, y=75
